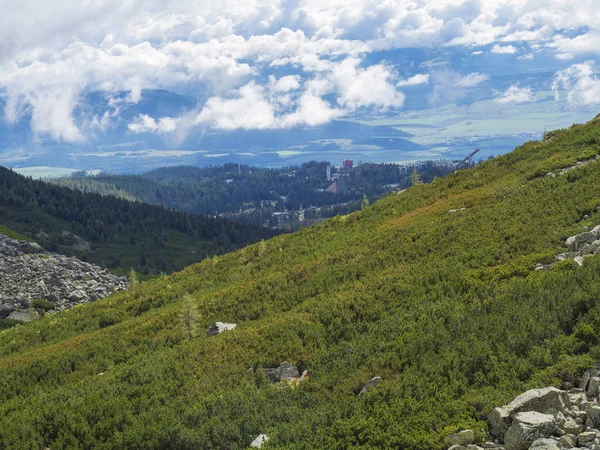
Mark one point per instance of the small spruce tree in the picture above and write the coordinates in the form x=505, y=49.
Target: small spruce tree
x=415, y=178
x=189, y=316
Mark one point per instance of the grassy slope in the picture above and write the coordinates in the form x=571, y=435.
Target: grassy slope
x=444, y=306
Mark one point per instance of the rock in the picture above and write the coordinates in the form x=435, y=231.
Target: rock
x=539, y=400
x=593, y=415
x=5, y=311
x=27, y=274
x=77, y=296
x=578, y=260
x=593, y=387
x=260, y=440
x=457, y=447
x=586, y=437
x=568, y=441
x=572, y=427
x=219, y=327
x=491, y=445
x=526, y=427
x=284, y=371
x=371, y=383
x=464, y=438
x=21, y=316
x=546, y=444
x=474, y=447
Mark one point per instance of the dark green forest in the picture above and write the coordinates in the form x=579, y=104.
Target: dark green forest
x=231, y=188
x=441, y=302
x=122, y=234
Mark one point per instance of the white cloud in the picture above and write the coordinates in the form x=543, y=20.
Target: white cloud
x=284, y=103
x=526, y=56
x=420, y=78
x=471, y=80
x=585, y=43
x=504, y=49
x=450, y=86
x=564, y=56
x=370, y=86
x=285, y=84
x=144, y=123
x=51, y=52
x=581, y=81
x=249, y=110
x=515, y=94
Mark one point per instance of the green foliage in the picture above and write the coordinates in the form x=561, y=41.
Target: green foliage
x=232, y=188
x=446, y=307
x=41, y=304
x=120, y=234
x=8, y=323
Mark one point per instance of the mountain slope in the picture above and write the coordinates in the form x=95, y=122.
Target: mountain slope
x=117, y=233
x=442, y=302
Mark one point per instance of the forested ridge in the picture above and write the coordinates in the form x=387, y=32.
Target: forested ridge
x=149, y=238
x=434, y=290
x=231, y=188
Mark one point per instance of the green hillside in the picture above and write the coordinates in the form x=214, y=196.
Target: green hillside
x=443, y=303
x=115, y=233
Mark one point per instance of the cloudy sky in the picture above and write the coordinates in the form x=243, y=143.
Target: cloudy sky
x=274, y=64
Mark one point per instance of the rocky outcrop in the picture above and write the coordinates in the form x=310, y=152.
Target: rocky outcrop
x=581, y=245
x=540, y=400
x=543, y=419
x=577, y=165
x=28, y=275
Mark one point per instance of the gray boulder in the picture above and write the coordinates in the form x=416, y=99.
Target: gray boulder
x=546, y=444
x=526, y=428
x=568, y=441
x=77, y=296
x=219, y=327
x=539, y=400
x=5, y=311
x=593, y=415
x=285, y=371
x=372, y=383
x=572, y=427
x=260, y=441
x=21, y=316
x=464, y=438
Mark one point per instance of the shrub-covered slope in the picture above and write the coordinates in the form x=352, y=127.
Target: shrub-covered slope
x=444, y=306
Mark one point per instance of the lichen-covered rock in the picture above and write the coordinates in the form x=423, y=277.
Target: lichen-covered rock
x=546, y=444
x=464, y=438
x=284, y=371
x=568, y=441
x=539, y=400
x=370, y=384
x=527, y=427
x=592, y=411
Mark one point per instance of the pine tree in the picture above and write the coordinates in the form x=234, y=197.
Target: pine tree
x=133, y=278
x=415, y=178
x=189, y=316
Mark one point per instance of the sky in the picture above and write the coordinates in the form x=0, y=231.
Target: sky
x=260, y=65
